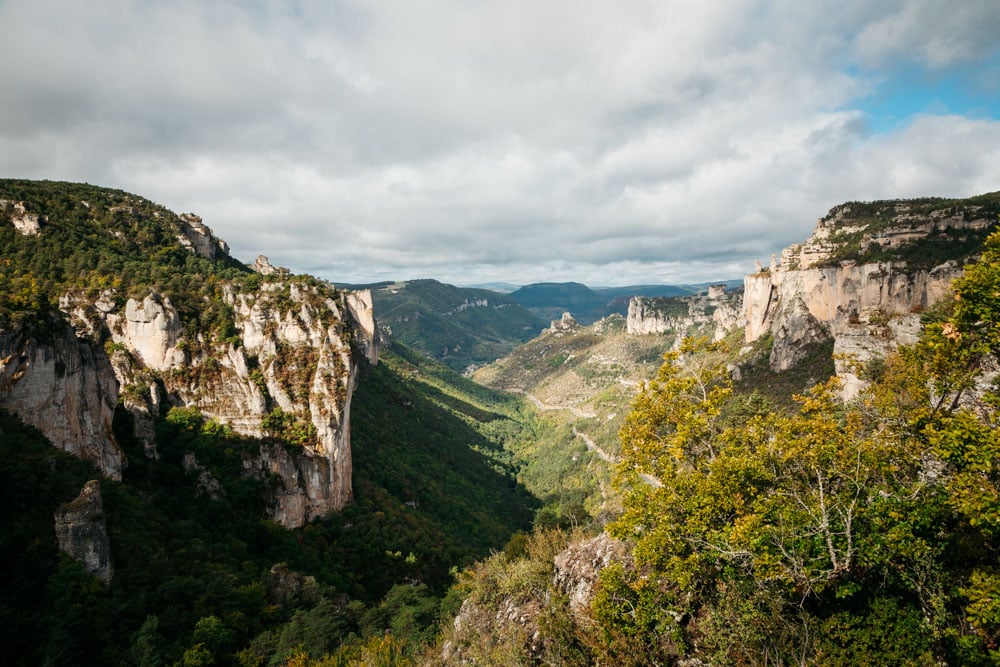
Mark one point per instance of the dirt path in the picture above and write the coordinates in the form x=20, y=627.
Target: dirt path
x=603, y=455
x=545, y=407
x=591, y=445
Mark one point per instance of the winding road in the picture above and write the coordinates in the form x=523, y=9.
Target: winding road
x=591, y=445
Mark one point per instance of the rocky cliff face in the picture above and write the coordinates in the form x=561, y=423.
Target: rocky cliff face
x=861, y=279
x=65, y=387
x=287, y=365
x=274, y=357
x=521, y=616
x=82, y=533
x=718, y=312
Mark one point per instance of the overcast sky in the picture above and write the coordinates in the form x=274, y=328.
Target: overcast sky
x=611, y=143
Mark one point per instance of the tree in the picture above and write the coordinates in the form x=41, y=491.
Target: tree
x=766, y=537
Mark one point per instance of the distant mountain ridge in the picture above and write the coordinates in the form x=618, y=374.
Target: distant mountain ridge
x=462, y=327
x=589, y=304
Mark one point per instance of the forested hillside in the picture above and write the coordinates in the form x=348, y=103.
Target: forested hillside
x=201, y=575
x=461, y=327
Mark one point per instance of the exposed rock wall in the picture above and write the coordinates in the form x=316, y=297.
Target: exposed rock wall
x=646, y=317
x=65, y=387
x=310, y=485
x=150, y=329
x=366, y=333
x=199, y=239
x=867, y=308
x=834, y=295
x=292, y=351
x=82, y=533
x=718, y=311
x=798, y=305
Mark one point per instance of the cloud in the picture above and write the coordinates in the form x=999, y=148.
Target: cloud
x=933, y=33
x=606, y=142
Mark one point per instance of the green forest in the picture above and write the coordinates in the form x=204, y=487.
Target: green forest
x=206, y=581
x=458, y=326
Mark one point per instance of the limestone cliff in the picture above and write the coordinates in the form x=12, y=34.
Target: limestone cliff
x=717, y=312
x=82, y=533
x=65, y=387
x=153, y=314
x=199, y=239
x=287, y=362
x=24, y=221
x=862, y=279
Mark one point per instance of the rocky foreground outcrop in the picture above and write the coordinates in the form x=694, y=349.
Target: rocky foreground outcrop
x=518, y=617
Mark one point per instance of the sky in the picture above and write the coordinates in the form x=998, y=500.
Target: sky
x=474, y=141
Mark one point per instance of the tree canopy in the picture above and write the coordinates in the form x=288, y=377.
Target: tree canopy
x=838, y=533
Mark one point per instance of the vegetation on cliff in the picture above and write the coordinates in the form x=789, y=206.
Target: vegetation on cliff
x=863, y=230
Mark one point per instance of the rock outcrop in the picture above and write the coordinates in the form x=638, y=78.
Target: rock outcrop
x=199, y=239
x=858, y=343
x=796, y=332
x=565, y=323
x=264, y=267
x=518, y=617
x=65, y=387
x=579, y=565
x=716, y=312
x=25, y=222
x=82, y=533
x=851, y=281
x=150, y=329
